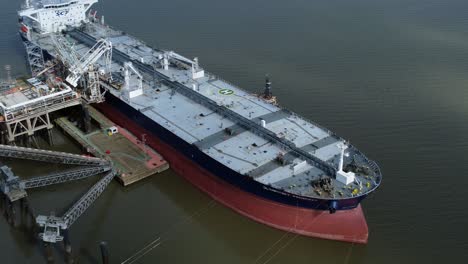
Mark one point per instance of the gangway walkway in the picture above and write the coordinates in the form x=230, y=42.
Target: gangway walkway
x=53, y=225
x=15, y=189
x=64, y=176
x=50, y=156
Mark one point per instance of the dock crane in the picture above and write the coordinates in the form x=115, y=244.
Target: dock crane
x=85, y=65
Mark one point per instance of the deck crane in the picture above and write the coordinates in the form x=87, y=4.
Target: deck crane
x=132, y=89
x=79, y=66
x=102, y=48
x=167, y=56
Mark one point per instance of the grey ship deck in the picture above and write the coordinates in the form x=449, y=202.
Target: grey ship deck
x=242, y=150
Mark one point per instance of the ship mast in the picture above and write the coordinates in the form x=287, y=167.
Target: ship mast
x=342, y=176
x=267, y=91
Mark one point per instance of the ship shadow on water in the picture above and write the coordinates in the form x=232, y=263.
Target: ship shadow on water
x=209, y=224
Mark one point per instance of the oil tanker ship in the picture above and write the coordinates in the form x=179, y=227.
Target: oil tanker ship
x=255, y=157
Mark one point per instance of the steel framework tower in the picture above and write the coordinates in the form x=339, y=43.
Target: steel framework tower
x=35, y=57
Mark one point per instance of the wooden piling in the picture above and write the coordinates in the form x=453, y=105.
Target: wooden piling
x=48, y=252
x=66, y=241
x=104, y=252
x=67, y=246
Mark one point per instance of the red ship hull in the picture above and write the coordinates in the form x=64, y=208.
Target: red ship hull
x=344, y=225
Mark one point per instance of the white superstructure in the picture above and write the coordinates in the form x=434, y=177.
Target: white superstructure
x=50, y=16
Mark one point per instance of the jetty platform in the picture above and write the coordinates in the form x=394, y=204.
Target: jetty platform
x=130, y=156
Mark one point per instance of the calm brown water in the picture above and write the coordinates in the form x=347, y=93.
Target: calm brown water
x=391, y=76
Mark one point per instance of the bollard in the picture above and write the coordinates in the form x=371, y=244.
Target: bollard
x=104, y=252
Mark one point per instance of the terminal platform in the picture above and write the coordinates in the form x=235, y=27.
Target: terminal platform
x=131, y=157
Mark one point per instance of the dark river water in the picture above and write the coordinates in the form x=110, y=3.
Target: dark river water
x=391, y=76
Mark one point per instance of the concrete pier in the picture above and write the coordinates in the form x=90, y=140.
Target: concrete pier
x=130, y=156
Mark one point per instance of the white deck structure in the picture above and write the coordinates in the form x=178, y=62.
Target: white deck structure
x=25, y=109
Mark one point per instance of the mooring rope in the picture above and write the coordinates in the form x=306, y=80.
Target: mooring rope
x=289, y=241
x=158, y=241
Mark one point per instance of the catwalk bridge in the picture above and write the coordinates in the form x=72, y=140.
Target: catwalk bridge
x=50, y=156
x=83, y=167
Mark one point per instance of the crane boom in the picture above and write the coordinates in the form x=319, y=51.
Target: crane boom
x=79, y=65
x=64, y=50
x=129, y=66
x=102, y=47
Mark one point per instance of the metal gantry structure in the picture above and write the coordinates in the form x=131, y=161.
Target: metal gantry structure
x=87, y=199
x=53, y=225
x=35, y=116
x=10, y=184
x=93, y=85
x=14, y=188
x=102, y=48
x=64, y=176
x=35, y=57
x=25, y=118
x=50, y=156
x=83, y=67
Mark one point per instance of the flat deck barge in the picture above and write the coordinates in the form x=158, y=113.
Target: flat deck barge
x=130, y=156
